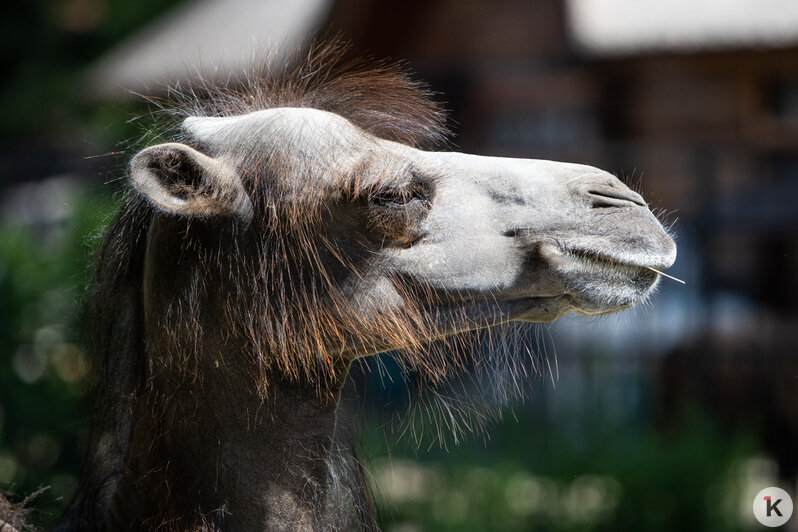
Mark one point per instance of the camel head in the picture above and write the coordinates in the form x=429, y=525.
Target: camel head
x=389, y=238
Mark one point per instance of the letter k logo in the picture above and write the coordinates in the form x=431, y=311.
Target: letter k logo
x=772, y=506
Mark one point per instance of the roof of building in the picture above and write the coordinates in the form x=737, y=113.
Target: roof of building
x=622, y=27
x=215, y=37
x=219, y=38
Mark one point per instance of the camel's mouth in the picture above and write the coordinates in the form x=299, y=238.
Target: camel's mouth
x=579, y=280
x=591, y=283
x=598, y=283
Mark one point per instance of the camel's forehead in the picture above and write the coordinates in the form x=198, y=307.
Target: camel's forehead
x=299, y=141
x=294, y=125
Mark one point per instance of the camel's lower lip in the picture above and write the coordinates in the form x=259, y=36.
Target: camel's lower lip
x=598, y=283
x=593, y=284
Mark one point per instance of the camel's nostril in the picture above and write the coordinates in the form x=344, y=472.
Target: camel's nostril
x=605, y=196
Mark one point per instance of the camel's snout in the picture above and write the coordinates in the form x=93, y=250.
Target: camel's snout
x=613, y=221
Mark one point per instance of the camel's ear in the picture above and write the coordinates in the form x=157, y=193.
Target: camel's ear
x=181, y=180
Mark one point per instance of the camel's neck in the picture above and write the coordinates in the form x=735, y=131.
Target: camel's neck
x=205, y=444
x=219, y=451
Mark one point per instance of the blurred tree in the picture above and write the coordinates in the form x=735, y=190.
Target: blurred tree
x=44, y=49
x=44, y=367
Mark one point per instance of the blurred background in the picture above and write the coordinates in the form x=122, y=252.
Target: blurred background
x=657, y=418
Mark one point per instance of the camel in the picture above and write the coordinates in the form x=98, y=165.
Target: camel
x=292, y=223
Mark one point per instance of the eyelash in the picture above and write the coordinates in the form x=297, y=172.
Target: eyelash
x=399, y=198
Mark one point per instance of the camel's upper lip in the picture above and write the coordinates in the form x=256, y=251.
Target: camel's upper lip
x=642, y=261
x=657, y=251
x=601, y=258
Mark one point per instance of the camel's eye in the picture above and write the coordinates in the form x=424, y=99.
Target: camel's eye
x=398, y=212
x=400, y=198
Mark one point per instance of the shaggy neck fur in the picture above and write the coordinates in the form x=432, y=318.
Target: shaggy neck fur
x=208, y=448
x=236, y=464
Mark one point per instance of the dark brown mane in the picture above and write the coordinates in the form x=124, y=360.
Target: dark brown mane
x=377, y=96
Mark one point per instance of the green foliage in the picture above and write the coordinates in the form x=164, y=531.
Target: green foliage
x=44, y=366
x=45, y=47
x=538, y=477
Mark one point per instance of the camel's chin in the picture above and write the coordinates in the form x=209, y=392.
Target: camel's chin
x=553, y=308
x=600, y=303
x=537, y=309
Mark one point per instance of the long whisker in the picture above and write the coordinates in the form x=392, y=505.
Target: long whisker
x=665, y=275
